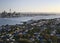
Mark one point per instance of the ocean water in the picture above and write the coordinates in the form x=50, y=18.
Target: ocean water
x=19, y=20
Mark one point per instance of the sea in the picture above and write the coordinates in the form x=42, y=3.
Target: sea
x=19, y=20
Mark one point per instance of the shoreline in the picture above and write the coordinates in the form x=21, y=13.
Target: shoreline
x=31, y=31
x=32, y=20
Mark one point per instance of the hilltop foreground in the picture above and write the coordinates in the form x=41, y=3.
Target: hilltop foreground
x=40, y=31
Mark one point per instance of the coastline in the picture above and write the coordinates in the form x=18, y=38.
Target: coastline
x=31, y=31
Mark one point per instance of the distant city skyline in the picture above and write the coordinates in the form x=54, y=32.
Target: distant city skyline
x=30, y=5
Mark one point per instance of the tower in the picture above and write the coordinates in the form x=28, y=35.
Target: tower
x=10, y=10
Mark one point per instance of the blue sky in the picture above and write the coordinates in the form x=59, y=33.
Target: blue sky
x=30, y=5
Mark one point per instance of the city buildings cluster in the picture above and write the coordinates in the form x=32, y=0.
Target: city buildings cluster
x=5, y=14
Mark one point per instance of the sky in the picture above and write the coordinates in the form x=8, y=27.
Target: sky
x=30, y=5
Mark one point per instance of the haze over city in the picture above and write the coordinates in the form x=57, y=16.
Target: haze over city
x=30, y=5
